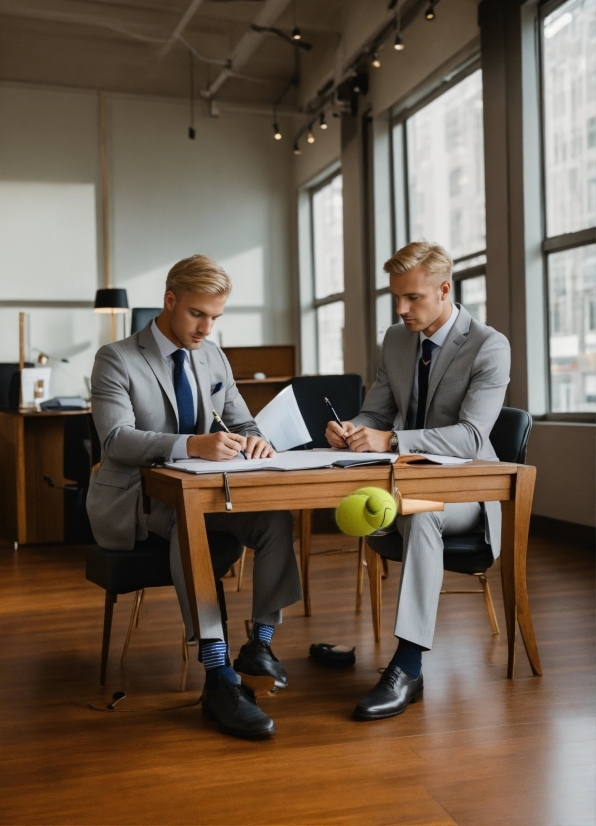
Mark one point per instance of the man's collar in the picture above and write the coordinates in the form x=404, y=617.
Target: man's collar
x=166, y=347
x=440, y=336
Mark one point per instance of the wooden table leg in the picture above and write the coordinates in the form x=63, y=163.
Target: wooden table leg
x=305, y=539
x=374, y=566
x=197, y=567
x=516, y=526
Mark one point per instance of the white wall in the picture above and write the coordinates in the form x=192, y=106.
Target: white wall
x=227, y=194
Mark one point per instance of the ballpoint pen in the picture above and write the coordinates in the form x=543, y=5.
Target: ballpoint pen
x=217, y=418
x=337, y=419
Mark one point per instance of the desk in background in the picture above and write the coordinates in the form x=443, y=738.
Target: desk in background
x=31, y=447
x=477, y=481
x=277, y=362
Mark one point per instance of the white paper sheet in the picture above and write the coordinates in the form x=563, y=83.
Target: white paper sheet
x=205, y=466
x=299, y=460
x=281, y=422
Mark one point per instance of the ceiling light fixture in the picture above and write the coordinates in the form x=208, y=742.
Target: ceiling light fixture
x=375, y=61
x=322, y=121
x=310, y=137
x=430, y=11
x=398, y=43
x=296, y=35
x=297, y=150
x=191, y=129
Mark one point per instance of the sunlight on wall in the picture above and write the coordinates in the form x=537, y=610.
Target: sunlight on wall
x=48, y=240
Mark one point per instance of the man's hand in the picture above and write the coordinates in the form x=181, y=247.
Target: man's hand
x=335, y=434
x=257, y=448
x=217, y=447
x=365, y=438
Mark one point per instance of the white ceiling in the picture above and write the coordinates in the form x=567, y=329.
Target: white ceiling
x=118, y=45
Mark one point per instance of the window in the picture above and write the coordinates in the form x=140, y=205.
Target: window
x=438, y=160
x=569, y=159
x=328, y=273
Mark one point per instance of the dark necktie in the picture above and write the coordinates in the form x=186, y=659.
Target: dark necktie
x=186, y=408
x=423, y=372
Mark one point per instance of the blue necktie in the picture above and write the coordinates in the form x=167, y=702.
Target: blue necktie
x=186, y=408
x=423, y=372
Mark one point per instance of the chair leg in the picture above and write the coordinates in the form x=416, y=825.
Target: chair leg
x=139, y=608
x=385, y=564
x=134, y=621
x=489, y=604
x=360, y=573
x=305, y=537
x=108, y=613
x=241, y=569
x=374, y=567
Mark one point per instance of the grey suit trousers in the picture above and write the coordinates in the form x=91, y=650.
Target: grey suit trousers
x=422, y=565
x=276, y=582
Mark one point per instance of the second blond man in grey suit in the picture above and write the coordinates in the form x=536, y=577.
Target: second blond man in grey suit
x=440, y=387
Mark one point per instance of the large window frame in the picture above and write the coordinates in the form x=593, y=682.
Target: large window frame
x=552, y=244
x=332, y=298
x=467, y=266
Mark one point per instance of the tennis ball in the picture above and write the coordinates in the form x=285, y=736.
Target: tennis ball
x=364, y=511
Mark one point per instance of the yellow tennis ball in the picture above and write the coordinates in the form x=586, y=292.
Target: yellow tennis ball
x=364, y=511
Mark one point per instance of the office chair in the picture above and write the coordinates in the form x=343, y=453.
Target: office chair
x=10, y=382
x=141, y=316
x=463, y=553
x=148, y=566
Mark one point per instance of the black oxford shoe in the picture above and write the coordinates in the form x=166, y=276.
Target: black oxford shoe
x=235, y=711
x=256, y=659
x=391, y=696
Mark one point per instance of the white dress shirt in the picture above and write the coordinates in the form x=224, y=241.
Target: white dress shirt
x=166, y=348
x=438, y=337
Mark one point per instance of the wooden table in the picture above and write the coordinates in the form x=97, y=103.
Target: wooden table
x=479, y=481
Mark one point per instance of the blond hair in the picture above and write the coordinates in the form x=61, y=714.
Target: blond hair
x=433, y=257
x=198, y=274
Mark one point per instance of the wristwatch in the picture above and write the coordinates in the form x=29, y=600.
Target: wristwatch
x=394, y=443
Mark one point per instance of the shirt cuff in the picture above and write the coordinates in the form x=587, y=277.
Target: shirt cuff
x=179, y=450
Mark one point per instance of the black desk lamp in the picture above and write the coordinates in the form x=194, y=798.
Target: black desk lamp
x=111, y=300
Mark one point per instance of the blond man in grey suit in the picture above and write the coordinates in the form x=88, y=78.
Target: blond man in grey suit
x=440, y=386
x=153, y=396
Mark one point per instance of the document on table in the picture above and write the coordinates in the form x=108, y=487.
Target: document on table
x=311, y=460
x=281, y=422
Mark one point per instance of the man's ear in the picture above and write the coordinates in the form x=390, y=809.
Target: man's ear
x=445, y=290
x=169, y=300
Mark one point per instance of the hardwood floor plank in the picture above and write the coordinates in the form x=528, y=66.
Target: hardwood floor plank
x=478, y=751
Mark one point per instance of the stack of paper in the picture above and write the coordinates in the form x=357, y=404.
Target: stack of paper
x=309, y=460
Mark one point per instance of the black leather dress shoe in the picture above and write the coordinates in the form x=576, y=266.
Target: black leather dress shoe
x=235, y=711
x=391, y=696
x=256, y=659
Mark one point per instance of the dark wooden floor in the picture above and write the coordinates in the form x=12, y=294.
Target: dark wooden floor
x=479, y=750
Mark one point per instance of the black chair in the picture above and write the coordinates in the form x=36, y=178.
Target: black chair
x=10, y=384
x=343, y=391
x=470, y=553
x=148, y=566
x=141, y=316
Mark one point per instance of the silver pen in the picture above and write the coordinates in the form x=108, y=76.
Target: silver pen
x=217, y=418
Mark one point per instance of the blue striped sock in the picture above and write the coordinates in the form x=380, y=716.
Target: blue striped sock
x=214, y=657
x=263, y=633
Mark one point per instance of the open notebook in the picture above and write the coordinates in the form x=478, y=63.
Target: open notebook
x=311, y=460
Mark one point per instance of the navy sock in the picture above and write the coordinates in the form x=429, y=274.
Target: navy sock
x=214, y=655
x=408, y=657
x=263, y=633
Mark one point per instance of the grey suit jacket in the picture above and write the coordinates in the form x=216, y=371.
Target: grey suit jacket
x=466, y=390
x=136, y=416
